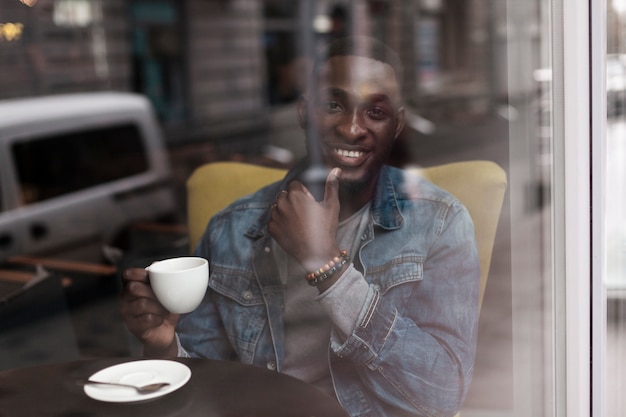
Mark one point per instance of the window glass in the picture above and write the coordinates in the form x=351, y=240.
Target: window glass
x=52, y=166
x=477, y=85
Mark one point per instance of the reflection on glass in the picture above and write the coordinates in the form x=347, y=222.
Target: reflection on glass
x=47, y=167
x=73, y=13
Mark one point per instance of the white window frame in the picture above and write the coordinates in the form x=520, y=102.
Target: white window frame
x=579, y=136
x=598, y=95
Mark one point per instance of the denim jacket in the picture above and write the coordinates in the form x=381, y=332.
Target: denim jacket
x=412, y=350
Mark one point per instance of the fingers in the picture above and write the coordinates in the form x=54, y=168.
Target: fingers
x=282, y=195
x=136, y=283
x=297, y=188
x=331, y=192
x=138, y=320
x=144, y=315
x=135, y=274
x=138, y=305
x=133, y=306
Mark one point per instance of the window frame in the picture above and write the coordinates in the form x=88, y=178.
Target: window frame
x=598, y=141
x=579, y=134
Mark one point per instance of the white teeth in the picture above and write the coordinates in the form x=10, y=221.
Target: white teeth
x=348, y=154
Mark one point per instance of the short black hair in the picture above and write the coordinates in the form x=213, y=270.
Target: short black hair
x=362, y=46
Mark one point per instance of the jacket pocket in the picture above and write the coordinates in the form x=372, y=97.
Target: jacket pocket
x=237, y=285
x=400, y=270
x=239, y=302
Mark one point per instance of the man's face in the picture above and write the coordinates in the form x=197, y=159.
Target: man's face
x=358, y=116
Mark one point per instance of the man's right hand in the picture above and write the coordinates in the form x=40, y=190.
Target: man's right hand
x=144, y=315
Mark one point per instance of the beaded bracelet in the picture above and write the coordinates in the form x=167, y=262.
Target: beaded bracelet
x=317, y=277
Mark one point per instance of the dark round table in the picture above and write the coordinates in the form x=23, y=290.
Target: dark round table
x=216, y=389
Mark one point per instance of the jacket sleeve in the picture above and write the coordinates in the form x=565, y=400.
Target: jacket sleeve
x=415, y=350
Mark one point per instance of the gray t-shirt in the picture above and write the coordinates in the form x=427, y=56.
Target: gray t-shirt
x=309, y=317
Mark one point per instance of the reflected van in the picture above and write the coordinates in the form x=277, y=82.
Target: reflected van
x=76, y=169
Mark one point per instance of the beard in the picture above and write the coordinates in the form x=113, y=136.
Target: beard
x=356, y=186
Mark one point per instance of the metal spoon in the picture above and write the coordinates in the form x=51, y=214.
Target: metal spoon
x=145, y=389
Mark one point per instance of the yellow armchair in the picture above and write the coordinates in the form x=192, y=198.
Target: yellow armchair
x=480, y=186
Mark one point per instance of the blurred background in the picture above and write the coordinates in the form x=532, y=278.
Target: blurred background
x=221, y=79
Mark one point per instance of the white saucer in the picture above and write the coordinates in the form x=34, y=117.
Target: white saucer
x=137, y=373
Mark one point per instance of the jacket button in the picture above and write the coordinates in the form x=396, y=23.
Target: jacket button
x=271, y=365
x=267, y=249
x=247, y=295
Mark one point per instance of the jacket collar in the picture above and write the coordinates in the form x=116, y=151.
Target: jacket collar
x=385, y=210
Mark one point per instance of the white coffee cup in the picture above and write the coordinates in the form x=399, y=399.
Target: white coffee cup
x=179, y=283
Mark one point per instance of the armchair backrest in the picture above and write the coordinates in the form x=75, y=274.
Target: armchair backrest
x=215, y=185
x=479, y=185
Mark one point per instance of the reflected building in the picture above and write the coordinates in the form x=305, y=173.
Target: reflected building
x=228, y=70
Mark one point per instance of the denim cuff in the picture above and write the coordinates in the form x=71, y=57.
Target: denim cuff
x=182, y=353
x=374, y=324
x=344, y=300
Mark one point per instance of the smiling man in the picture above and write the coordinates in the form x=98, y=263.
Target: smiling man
x=370, y=294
